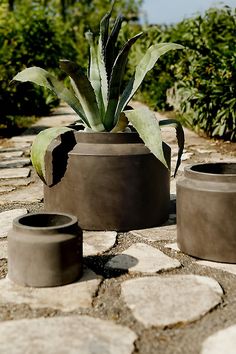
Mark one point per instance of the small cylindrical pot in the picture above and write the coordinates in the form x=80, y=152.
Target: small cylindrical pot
x=45, y=249
x=112, y=182
x=206, y=211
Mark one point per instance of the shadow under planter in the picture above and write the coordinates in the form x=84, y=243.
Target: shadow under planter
x=45, y=249
x=112, y=182
x=206, y=211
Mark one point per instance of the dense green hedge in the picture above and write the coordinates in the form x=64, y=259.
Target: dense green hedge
x=30, y=36
x=202, y=77
x=39, y=33
x=199, y=82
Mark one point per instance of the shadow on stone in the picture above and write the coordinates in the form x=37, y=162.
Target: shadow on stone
x=173, y=204
x=110, y=266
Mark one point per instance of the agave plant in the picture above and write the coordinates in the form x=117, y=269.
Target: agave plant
x=97, y=97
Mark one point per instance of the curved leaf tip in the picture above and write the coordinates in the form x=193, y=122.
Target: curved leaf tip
x=40, y=146
x=179, y=135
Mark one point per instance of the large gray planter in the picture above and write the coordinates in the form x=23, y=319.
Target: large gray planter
x=206, y=211
x=111, y=181
x=45, y=249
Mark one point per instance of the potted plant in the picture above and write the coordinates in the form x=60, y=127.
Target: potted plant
x=206, y=205
x=104, y=174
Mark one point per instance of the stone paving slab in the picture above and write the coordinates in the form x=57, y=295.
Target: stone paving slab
x=6, y=218
x=22, y=139
x=15, y=182
x=153, y=300
x=34, y=194
x=65, y=335
x=12, y=146
x=10, y=154
x=65, y=298
x=144, y=259
x=162, y=233
x=98, y=242
x=222, y=342
x=166, y=301
x=6, y=189
x=226, y=267
x=21, y=162
x=9, y=173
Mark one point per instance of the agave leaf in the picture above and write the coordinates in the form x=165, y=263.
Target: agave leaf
x=121, y=124
x=146, y=64
x=102, y=40
x=43, y=78
x=85, y=93
x=179, y=135
x=40, y=145
x=110, y=49
x=116, y=80
x=146, y=124
x=104, y=29
x=94, y=74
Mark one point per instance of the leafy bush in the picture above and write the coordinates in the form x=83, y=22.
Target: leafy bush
x=207, y=76
x=50, y=31
x=36, y=39
x=202, y=77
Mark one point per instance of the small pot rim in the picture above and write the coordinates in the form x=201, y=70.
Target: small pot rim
x=191, y=172
x=72, y=220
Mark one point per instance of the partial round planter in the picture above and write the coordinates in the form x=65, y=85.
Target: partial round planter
x=112, y=182
x=206, y=211
x=45, y=249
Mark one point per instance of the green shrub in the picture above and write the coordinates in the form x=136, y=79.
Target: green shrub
x=202, y=77
x=39, y=39
x=207, y=76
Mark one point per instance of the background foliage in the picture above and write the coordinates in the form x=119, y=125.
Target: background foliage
x=198, y=82
x=201, y=80
x=39, y=33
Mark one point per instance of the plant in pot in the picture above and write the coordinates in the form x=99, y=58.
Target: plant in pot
x=112, y=175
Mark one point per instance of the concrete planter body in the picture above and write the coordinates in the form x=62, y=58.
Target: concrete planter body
x=45, y=249
x=111, y=182
x=206, y=212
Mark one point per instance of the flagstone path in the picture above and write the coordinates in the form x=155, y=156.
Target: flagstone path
x=139, y=293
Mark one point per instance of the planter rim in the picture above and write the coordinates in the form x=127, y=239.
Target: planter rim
x=212, y=171
x=107, y=137
x=71, y=221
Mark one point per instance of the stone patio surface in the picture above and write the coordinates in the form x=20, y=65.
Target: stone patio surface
x=139, y=293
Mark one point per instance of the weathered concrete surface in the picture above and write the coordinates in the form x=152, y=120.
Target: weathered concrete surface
x=165, y=301
x=34, y=194
x=226, y=267
x=21, y=162
x=143, y=258
x=100, y=295
x=65, y=298
x=6, y=189
x=70, y=335
x=6, y=218
x=7, y=173
x=223, y=341
x=163, y=233
x=6, y=155
x=97, y=242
